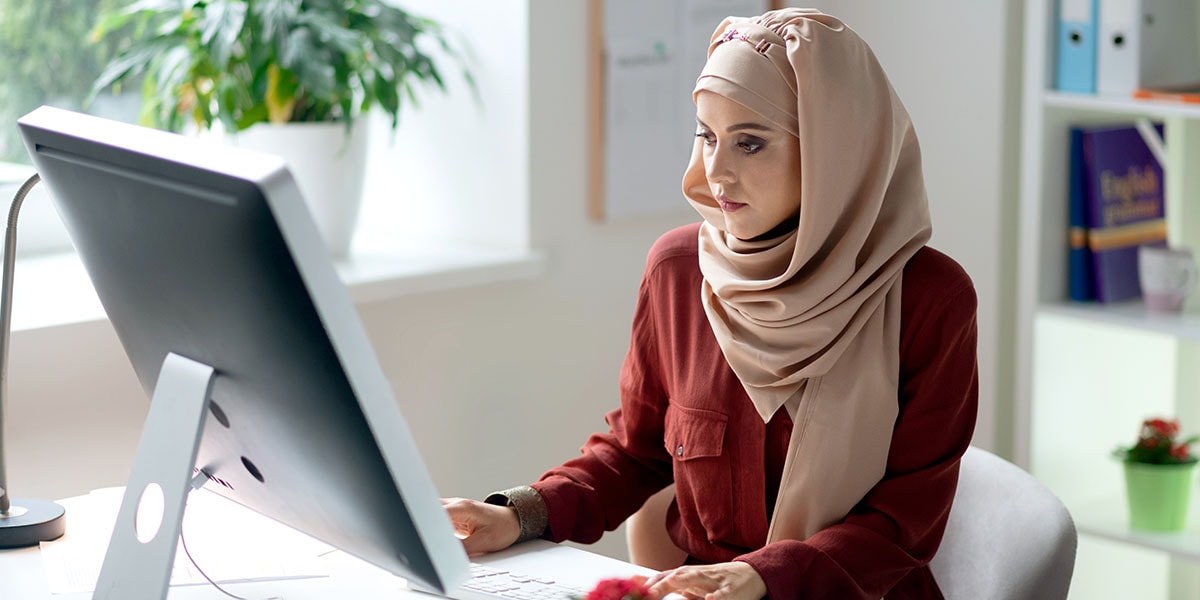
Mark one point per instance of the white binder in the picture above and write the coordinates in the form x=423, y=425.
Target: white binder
x=1146, y=43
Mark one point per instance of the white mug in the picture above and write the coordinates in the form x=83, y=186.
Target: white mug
x=1167, y=276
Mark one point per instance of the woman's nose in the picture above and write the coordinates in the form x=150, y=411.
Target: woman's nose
x=717, y=167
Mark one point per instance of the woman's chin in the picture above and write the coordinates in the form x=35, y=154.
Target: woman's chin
x=741, y=231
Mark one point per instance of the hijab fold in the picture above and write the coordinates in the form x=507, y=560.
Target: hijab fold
x=809, y=321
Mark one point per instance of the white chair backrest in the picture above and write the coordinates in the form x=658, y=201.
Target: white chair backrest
x=1009, y=537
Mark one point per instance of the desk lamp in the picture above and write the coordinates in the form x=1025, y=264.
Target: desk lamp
x=23, y=521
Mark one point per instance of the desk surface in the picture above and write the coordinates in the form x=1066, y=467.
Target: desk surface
x=22, y=576
x=23, y=572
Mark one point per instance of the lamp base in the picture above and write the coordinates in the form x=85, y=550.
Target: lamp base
x=30, y=521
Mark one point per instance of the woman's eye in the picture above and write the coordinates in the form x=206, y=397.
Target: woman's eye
x=708, y=138
x=750, y=147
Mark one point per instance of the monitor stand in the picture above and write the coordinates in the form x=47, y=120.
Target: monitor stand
x=141, y=552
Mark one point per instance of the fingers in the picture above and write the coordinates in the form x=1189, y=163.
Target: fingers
x=692, y=583
x=724, y=581
x=460, y=513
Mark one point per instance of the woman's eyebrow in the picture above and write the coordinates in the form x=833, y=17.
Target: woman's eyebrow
x=751, y=126
x=739, y=126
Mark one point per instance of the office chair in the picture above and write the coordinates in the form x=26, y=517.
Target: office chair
x=1008, y=537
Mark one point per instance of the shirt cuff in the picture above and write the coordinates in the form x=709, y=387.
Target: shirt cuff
x=531, y=509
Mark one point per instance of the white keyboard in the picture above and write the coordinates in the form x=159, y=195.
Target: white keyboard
x=499, y=583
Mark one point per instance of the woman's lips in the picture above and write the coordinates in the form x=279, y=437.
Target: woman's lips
x=728, y=205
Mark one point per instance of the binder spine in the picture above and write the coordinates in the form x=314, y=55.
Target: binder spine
x=1075, y=69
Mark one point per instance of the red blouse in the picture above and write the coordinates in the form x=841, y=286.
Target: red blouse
x=684, y=417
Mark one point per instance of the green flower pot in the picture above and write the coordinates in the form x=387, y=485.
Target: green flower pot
x=1158, y=495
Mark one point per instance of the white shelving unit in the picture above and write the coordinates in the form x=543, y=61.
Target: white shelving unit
x=1088, y=373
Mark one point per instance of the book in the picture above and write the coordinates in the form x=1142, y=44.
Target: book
x=1079, y=260
x=1120, y=204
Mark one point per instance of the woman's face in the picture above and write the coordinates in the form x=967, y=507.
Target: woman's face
x=752, y=166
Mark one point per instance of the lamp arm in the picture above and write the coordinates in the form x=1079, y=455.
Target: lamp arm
x=6, y=285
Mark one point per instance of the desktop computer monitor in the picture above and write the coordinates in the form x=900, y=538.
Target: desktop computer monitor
x=208, y=252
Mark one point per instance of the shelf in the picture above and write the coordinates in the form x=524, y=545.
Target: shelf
x=1132, y=315
x=1119, y=105
x=1084, y=373
x=1109, y=520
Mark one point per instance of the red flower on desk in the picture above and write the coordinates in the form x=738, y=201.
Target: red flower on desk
x=633, y=588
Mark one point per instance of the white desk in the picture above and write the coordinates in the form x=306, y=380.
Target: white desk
x=23, y=575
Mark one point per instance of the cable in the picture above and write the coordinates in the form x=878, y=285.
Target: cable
x=183, y=542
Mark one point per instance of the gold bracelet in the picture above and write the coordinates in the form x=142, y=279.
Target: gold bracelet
x=531, y=510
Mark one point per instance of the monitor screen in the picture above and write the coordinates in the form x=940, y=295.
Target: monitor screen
x=208, y=252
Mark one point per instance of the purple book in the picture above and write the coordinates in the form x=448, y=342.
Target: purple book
x=1124, y=207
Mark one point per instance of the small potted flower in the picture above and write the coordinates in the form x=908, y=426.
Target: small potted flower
x=1158, y=476
x=633, y=588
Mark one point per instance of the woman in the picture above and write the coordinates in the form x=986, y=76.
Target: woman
x=802, y=367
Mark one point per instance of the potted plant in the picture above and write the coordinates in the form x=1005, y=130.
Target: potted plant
x=618, y=588
x=1158, y=476
x=291, y=77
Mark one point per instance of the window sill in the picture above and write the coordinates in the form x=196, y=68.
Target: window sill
x=54, y=290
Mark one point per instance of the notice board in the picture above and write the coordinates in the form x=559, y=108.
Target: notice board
x=644, y=58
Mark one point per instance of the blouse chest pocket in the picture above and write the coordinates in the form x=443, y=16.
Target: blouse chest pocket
x=695, y=438
x=693, y=433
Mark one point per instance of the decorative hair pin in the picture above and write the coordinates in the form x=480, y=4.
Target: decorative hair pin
x=734, y=34
x=761, y=46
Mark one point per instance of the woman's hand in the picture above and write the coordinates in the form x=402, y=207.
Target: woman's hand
x=723, y=581
x=482, y=527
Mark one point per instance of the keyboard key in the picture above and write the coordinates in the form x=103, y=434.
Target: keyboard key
x=517, y=586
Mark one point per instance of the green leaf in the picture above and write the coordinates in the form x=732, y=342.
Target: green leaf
x=281, y=94
x=130, y=63
x=110, y=22
x=331, y=33
x=221, y=28
x=385, y=91
x=275, y=18
x=311, y=64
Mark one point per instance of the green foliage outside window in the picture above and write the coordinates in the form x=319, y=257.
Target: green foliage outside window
x=47, y=56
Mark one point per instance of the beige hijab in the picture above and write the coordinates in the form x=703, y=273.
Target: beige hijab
x=810, y=320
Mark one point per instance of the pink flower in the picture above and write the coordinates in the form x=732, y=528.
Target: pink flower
x=633, y=588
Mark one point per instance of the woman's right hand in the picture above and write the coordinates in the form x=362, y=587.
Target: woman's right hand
x=482, y=527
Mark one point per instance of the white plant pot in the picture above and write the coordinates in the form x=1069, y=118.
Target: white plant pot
x=328, y=167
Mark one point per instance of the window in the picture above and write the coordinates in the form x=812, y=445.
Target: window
x=47, y=65
x=456, y=172
x=446, y=194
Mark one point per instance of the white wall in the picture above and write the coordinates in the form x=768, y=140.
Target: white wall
x=500, y=382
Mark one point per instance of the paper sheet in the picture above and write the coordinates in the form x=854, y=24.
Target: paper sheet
x=230, y=543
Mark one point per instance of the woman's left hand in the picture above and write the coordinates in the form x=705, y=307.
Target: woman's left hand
x=723, y=581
